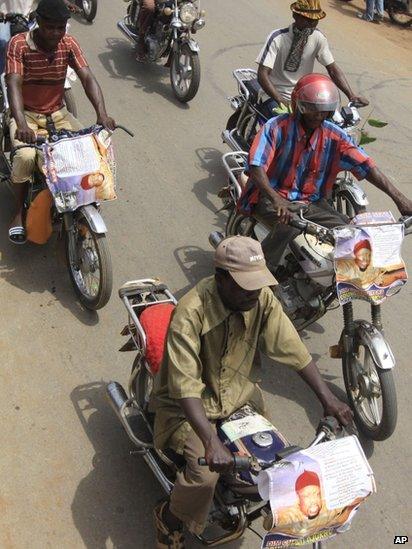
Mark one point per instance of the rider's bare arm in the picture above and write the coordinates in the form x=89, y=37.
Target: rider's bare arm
x=218, y=457
x=267, y=85
x=95, y=95
x=15, y=96
x=261, y=180
x=382, y=182
x=338, y=77
x=332, y=406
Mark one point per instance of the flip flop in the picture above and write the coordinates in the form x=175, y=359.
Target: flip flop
x=17, y=235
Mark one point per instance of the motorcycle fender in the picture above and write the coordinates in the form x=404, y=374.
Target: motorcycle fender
x=371, y=337
x=357, y=193
x=193, y=45
x=94, y=219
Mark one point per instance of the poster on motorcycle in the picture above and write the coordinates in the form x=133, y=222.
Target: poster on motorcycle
x=80, y=170
x=315, y=493
x=367, y=258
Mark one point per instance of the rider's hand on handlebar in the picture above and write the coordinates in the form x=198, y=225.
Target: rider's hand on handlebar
x=218, y=457
x=25, y=134
x=359, y=101
x=72, y=7
x=338, y=409
x=281, y=207
x=107, y=121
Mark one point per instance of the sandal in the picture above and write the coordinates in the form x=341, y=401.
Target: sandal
x=166, y=538
x=17, y=235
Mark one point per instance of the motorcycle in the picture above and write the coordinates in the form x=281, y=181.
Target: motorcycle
x=399, y=11
x=81, y=227
x=307, y=291
x=20, y=23
x=237, y=503
x=170, y=37
x=88, y=9
x=251, y=112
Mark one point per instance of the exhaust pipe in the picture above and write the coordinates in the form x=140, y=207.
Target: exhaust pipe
x=215, y=238
x=127, y=32
x=117, y=396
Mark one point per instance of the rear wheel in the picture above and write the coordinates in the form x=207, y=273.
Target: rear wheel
x=185, y=73
x=89, y=264
x=239, y=224
x=372, y=395
x=400, y=12
x=89, y=9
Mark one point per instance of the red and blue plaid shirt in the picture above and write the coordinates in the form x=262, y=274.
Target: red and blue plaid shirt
x=298, y=168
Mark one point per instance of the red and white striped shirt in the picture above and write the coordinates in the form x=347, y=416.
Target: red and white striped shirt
x=43, y=73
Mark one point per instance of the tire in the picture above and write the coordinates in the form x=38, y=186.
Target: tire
x=70, y=102
x=89, y=9
x=143, y=383
x=233, y=120
x=176, y=79
x=344, y=203
x=239, y=224
x=385, y=426
x=98, y=254
x=398, y=14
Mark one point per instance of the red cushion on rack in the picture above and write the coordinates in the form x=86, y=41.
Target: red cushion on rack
x=155, y=321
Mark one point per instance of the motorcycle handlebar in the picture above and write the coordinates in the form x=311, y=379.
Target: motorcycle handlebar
x=10, y=17
x=240, y=463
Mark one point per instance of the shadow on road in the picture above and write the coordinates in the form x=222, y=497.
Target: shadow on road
x=195, y=263
x=120, y=63
x=210, y=160
x=113, y=504
x=38, y=269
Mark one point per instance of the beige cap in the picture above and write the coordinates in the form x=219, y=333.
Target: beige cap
x=243, y=258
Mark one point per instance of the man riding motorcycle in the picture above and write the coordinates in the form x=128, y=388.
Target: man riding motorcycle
x=145, y=18
x=35, y=73
x=25, y=8
x=214, y=334
x=290, y=53
x=294, y=161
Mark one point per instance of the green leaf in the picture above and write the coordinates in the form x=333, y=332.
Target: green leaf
x=377, y=123
x=365, y=139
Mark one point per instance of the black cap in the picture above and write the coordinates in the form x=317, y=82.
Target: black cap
x=53, y=10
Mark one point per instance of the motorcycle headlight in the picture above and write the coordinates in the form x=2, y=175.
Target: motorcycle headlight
x=188, y=13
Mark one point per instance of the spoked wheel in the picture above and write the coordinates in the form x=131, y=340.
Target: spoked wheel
x=89, y=263
x=239, y=224
x=185, y=73
x=89, y=9
x=400, y=12
x=372, y=396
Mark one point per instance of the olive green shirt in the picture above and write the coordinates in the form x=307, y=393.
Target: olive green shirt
x=209, y=355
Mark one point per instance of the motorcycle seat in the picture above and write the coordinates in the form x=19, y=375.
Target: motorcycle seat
x=155, y=322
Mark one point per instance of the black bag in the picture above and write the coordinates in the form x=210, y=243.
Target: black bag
x=19, y=24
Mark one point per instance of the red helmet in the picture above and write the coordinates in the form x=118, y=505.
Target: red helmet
x=315, y=93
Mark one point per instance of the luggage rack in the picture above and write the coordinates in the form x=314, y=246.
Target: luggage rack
x=137, y=295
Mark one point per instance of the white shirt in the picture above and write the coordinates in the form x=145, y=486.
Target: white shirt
x=18, y=6
x=276, y=50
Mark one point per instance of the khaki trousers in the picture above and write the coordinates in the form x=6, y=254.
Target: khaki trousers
x=25, y=159
x=275, y=243
x=192, y=495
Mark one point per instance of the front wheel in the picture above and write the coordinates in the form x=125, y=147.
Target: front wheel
x=89, y=264
x=344, y=203
x=185, y=73
x=400, y=13
x=372, y=394
x=89, y=9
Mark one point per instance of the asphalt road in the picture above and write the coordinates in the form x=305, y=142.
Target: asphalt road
x=67, y=478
